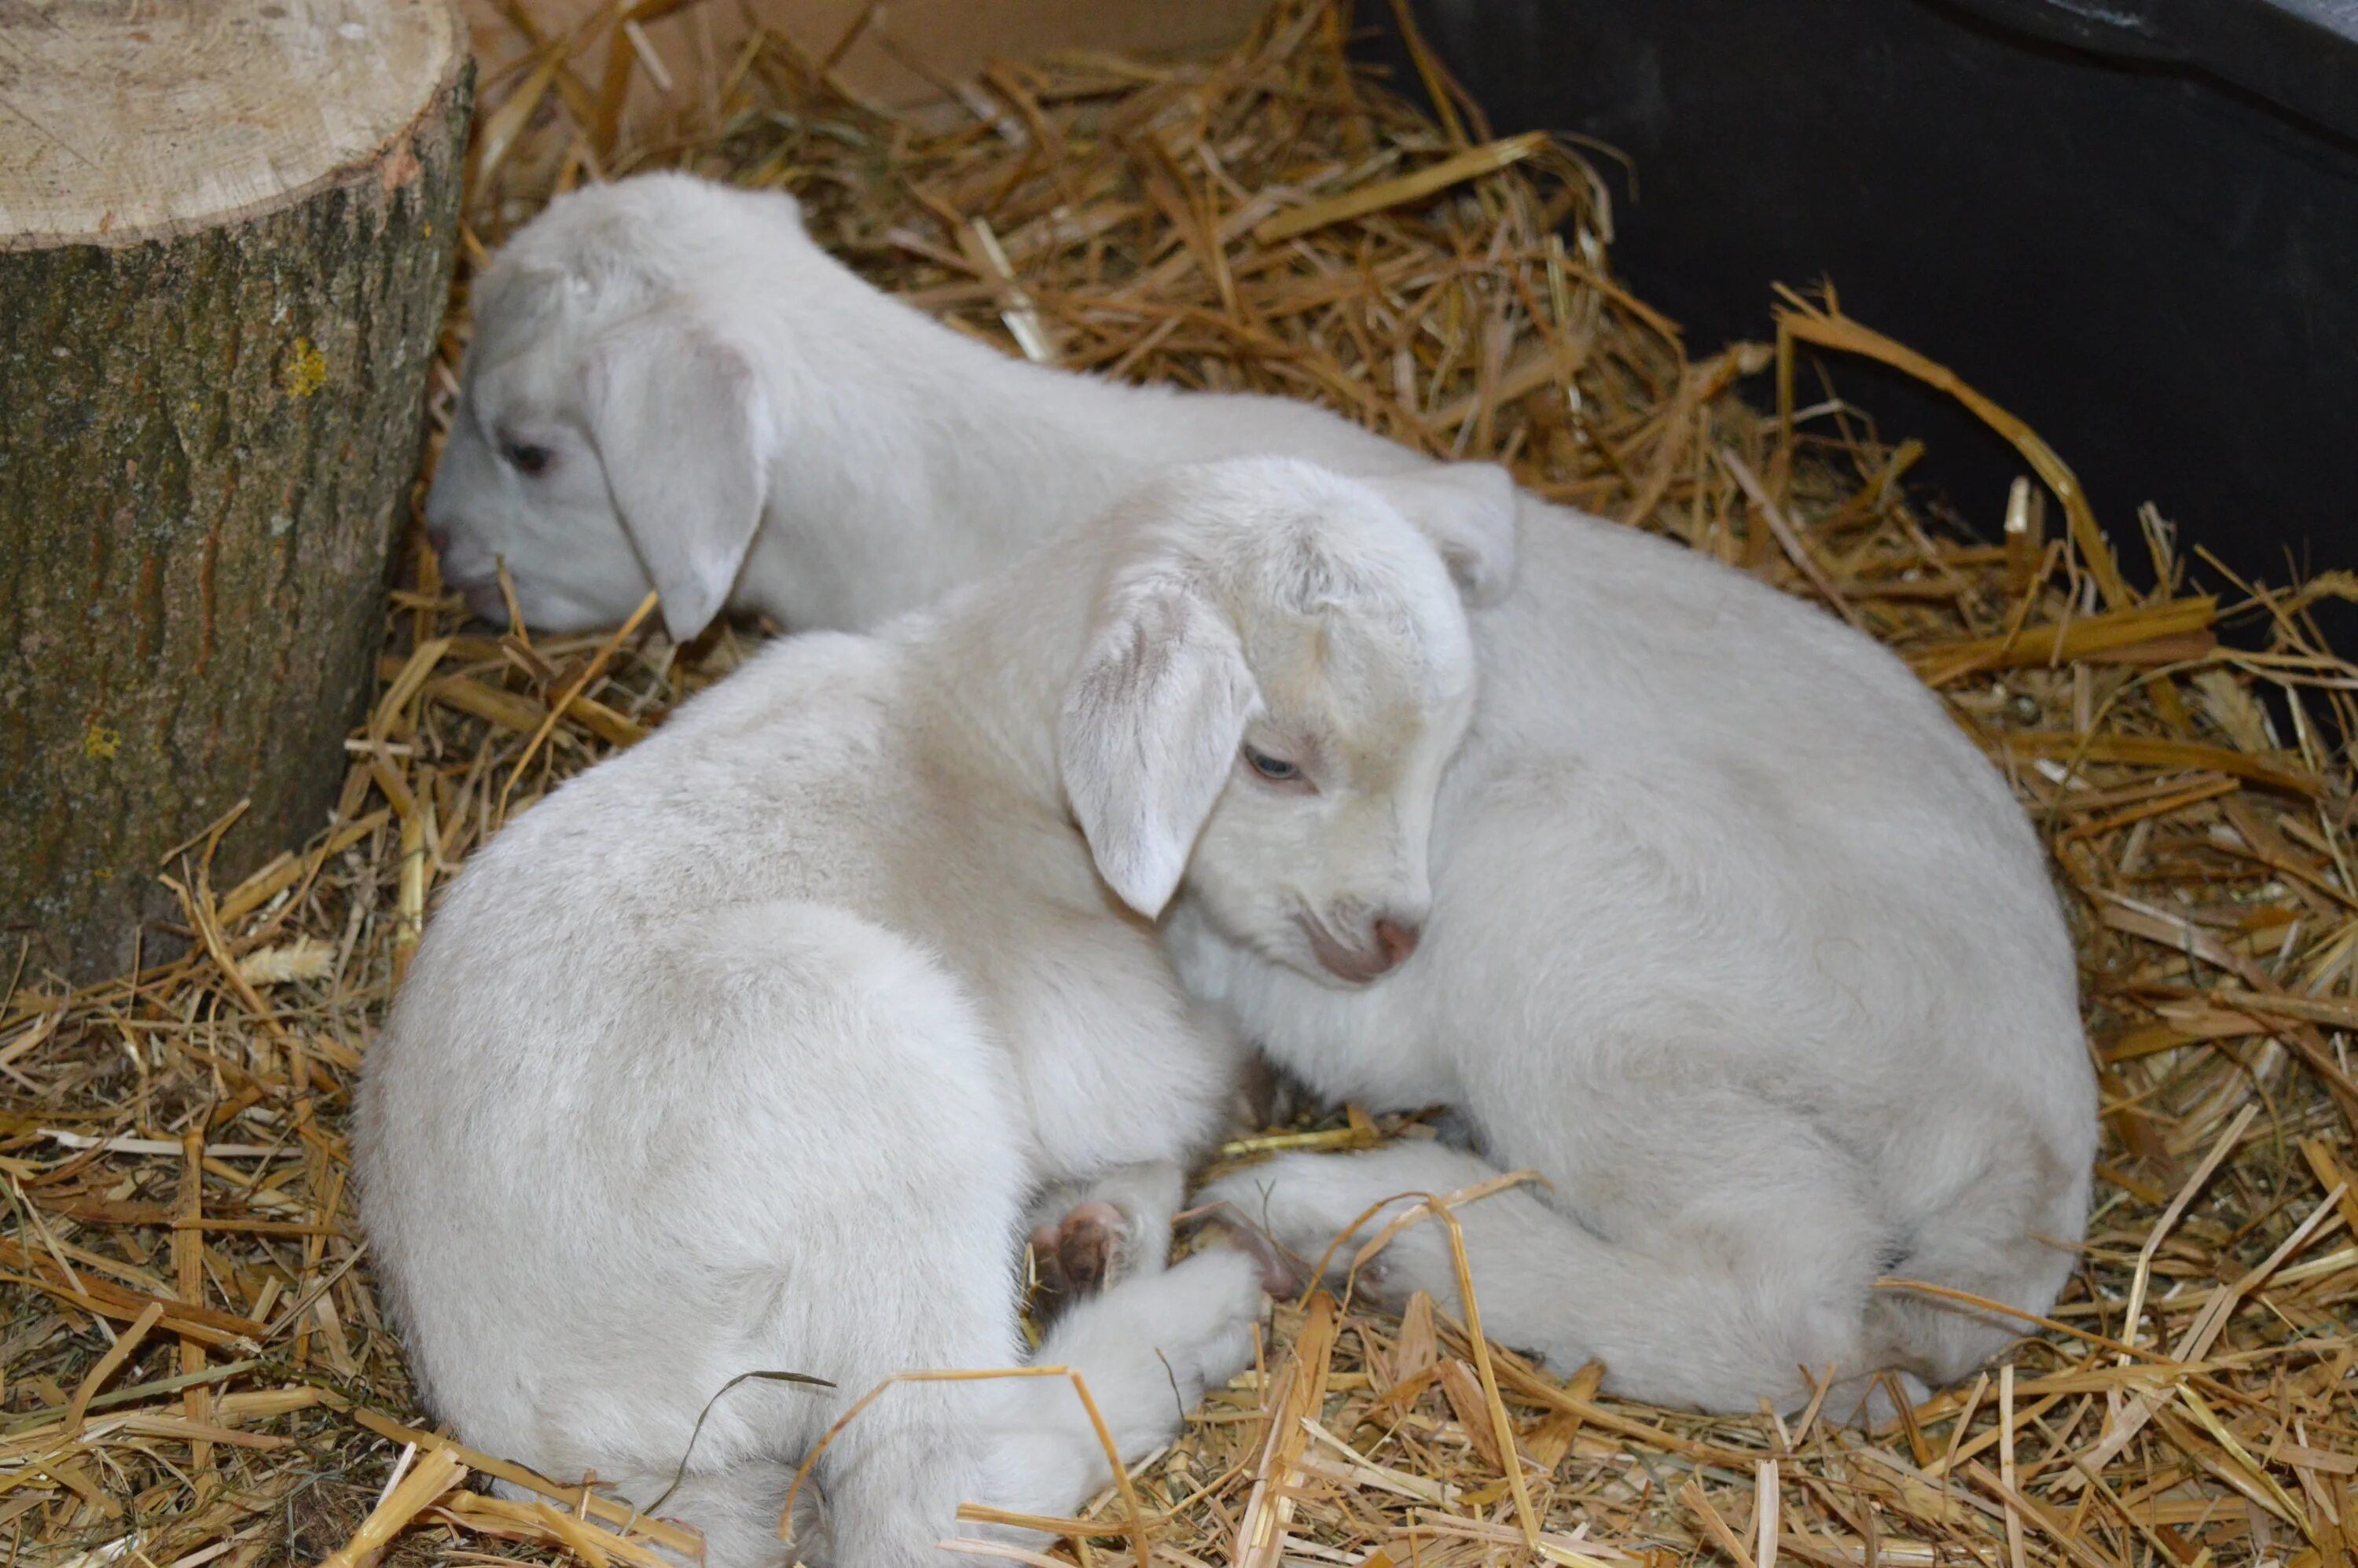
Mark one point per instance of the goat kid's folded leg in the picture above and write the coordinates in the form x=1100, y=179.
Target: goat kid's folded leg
x=1705, y=1316
x=1148, y=1348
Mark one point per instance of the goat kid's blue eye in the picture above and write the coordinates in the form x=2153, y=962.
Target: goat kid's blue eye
x=1270, y=767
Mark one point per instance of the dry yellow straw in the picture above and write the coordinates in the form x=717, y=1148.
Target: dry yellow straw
x=1471, y=164
x=434, y=1475
x=580, y=683
x=1438, y=1206
x=590, y=1503
x=117, y=1355
x=1828, y=328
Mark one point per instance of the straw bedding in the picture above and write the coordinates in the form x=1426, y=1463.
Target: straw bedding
x=196, y=1370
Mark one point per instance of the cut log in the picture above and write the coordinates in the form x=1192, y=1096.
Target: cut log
x=226, y=233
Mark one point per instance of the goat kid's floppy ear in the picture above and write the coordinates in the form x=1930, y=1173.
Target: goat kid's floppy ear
x=1467, y=510
x=677, y=417
x=1150, y=730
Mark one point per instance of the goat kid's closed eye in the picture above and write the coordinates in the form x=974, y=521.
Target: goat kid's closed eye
x=1276, y=770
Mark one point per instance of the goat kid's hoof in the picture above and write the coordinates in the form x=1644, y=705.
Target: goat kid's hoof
x=1082, y=1253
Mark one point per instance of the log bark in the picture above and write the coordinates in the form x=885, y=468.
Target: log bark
x=226, y=233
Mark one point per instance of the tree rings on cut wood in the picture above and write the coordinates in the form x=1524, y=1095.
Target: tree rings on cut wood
x=226, y=232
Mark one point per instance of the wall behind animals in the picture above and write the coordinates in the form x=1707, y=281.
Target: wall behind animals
x=2150, y=260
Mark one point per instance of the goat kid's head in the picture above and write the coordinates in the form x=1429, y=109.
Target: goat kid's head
x=611, y=435
x=1279, y=669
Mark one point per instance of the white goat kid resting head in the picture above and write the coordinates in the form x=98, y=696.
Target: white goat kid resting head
x=613, y=434
x=1297, y=805
x=671, y=386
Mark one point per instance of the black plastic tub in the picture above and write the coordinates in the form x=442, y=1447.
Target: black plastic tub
x=2133, y=222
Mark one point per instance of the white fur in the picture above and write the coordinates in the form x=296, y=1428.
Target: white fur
x=749, y=1048
x=1737, y=939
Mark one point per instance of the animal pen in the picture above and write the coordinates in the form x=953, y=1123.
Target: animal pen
x=198, y=1372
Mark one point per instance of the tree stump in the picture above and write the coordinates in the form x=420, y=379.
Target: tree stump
x=226, y=233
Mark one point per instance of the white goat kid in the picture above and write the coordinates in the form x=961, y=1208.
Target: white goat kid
x=1742, y=945
x=747, y=1049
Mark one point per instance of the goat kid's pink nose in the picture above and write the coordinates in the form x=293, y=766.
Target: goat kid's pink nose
x=1397, y=939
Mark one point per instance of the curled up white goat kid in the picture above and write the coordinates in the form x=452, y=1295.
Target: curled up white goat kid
x=1739, y=942
x=756, y=1047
